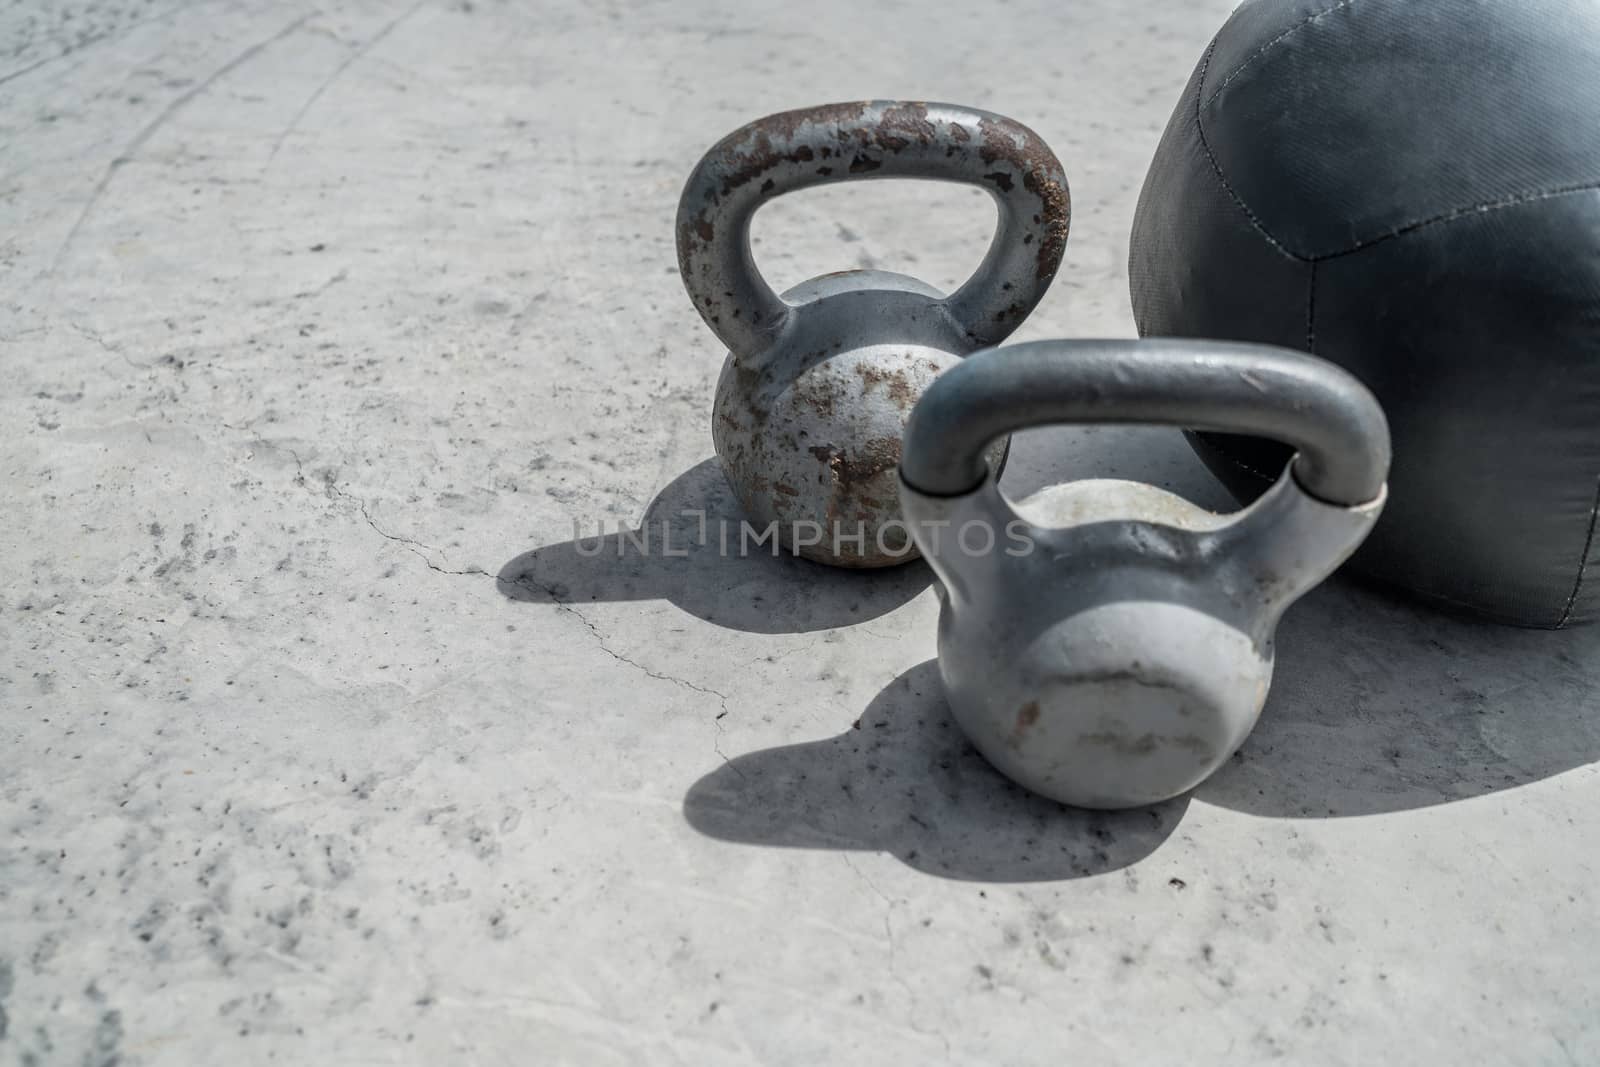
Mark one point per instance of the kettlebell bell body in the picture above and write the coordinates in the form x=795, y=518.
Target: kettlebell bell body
x=813, y=398
x=1111, y=645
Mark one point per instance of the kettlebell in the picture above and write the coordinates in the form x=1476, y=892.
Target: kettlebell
x=813, y=398
x=1106, y=643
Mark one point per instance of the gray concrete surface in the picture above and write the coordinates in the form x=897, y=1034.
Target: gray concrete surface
x=322, y=325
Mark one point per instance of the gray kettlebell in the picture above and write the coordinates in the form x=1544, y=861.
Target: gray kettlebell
x=1106, y=643
x=812, y=403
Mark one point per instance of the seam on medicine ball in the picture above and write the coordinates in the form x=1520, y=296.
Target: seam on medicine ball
x=1485, y=208
x=1267, y=479
x=1233, y=461
x=1583, y=561
x=1465, y=607
x=1216, y=168
x=1311, y=309
x=1270, y=45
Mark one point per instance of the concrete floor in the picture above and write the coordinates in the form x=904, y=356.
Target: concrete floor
x=323, y=325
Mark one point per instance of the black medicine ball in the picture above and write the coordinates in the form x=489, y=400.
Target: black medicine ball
x=1411, y=189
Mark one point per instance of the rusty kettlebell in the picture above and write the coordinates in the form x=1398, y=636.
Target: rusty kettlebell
x=818, y=384
x=1106, y=643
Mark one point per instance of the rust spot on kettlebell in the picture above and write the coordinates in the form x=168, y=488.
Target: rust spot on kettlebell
x=903, y=124
x=819, y=394
x=1027, y=715
x=789, y=122
x=876, y=455
x=1142, y=745
x=894, y=382
x=1058, y=203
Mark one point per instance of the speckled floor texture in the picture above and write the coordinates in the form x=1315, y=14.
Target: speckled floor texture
x=326, y=329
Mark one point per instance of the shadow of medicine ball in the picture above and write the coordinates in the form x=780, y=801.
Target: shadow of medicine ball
x=1411, y=189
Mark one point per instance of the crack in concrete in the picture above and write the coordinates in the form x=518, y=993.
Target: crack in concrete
x=114, y=34
x=411, y=545
x=332, y=490
x=773, y=658
x=350, y=59
x=716, y=742
x=150, y=129
x=115, y=350
x=899, y=979
x=307, y=294
x=567, y=607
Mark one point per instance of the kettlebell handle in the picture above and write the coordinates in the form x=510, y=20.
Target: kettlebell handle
x=875, y=139
x=1333, y=421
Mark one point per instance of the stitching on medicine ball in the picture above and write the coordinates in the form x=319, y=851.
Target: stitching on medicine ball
x=1270, y=45
x=1485, y=208
x=1583, y=561
x=1204, y=100
x=1311, y=309
x=1216, y=168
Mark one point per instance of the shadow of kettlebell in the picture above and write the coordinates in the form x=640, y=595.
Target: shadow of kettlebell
x=904, y=780
x=1381, y=705
x=694, y=549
